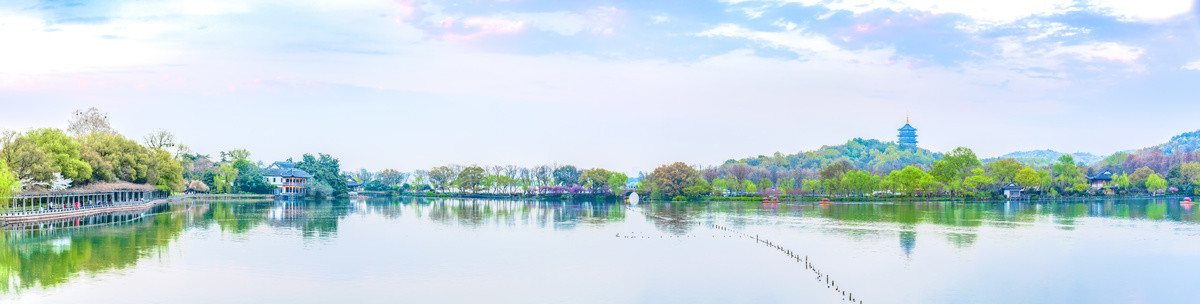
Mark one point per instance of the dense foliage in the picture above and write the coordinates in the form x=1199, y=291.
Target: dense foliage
x=49, y=158
x=1047, y=157
x=327, y=172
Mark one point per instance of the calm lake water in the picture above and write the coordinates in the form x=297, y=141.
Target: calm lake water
x=495, y=251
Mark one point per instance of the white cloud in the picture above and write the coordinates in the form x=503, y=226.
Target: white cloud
x=1141, y=10
x=996, y=12
x=144, y=9
x=1097, y=51
x=34, y=47
x=1194, y=65
x=597, y=20
x=1039, y=30
x=657, y=19
x=1054, y=60
x=809, y=45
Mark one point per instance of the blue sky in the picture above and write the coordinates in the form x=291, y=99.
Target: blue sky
x=625, y=85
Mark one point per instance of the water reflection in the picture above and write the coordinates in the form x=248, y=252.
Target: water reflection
x=45, y=255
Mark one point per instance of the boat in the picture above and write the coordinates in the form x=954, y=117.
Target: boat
x=771, y=199
x=1186, y=201
x=824, y=200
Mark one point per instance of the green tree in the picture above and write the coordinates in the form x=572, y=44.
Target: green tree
x=470, y=178
x=594, y=179
x=1005, y=170
x=1122, y=181
x=1067, y=173
x=1190, y=171
x=954, y=166
x=749, y=187
x=127, y=160
x=1155, y=183
x=861, y=182
x=30, y=165
x=699, y=187
x=224, y=180
x=811, y=186
x=9, y=184
x=166, y=174
x=979, y=179
x=616, y=180
x=672, y=179
x=250, y=178
x=910, y=179
x=1117, y=160
x=235, y=154
x=392, y=177
x=719, y=186
x=786, y=185
x=441, y=177
x=764, y=185
x=63, y=151
x=1139, y=176
x=566, y=175
x=328, y=170
x=1028, y=177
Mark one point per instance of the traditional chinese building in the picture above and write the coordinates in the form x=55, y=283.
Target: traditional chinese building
x=1013, y=191
x=908, y=134
x=1102, y=181
x=288, y=180
x=354, y=185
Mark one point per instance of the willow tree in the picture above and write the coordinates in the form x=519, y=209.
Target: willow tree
x=9, y=184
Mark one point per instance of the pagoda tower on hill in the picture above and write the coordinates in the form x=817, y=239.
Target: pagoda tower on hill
x=908, y=134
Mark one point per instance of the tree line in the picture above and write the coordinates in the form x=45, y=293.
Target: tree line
x=544, y=180
x=91, y=151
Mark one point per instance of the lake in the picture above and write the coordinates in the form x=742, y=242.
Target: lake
x=418, y=250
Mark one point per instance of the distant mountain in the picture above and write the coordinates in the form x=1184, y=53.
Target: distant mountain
x=1050, y=156
x=1186, y=142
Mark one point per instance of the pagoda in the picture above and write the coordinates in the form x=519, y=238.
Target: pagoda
x=908, y=134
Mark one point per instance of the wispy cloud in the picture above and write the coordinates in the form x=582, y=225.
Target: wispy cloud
x=1194, y=65
x=560, y=69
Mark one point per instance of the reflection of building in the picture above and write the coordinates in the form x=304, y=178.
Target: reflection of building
x=908, y=241
x=288, y=180
x=908, y=134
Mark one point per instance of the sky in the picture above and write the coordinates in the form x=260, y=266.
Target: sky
x=623, y=85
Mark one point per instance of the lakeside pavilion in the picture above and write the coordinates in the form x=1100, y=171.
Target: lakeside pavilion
x=90, y=196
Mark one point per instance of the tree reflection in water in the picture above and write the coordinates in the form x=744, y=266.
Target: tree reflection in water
x=40, y=256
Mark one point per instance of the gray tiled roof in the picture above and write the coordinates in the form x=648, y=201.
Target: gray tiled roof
x=285, y=169
x=1103, y=175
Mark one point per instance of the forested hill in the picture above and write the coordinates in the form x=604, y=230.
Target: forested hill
x=1186, y=142
x=867, y=154
x=1046, y=157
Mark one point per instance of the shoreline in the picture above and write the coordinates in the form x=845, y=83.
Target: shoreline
x=804, y=199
